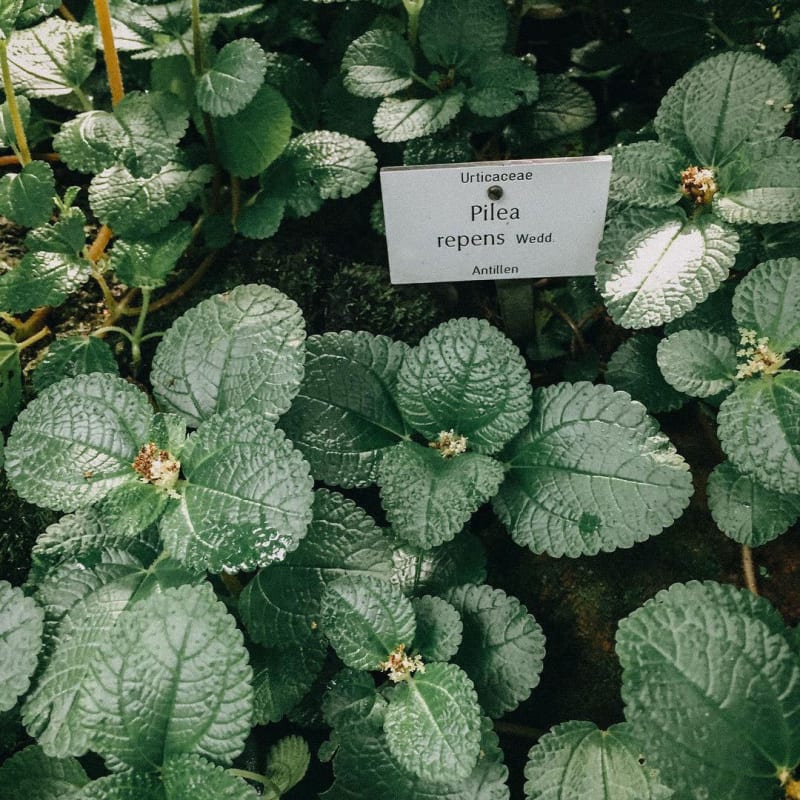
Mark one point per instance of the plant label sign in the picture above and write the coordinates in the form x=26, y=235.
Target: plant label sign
x=495, y=219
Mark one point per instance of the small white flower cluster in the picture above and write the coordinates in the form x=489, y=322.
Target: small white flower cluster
x=449, y=444
x=757, y=355
x=158, y=467
x=400, y=666
x=699, y=183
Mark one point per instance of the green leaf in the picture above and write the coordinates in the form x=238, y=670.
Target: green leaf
x=141, y=134
x=646, y=174
x=345, y=415
x=655, y=265
x=122, y=786
x=712, y=686
x=697, y=362
x=351, y=702
x=33, y=775
x=366, y=618
x=283, y=676
x=766, y=301
x=247, y=498
x=632, y=368
x=502, y=649
x=52, y=58
x=759, y=429
x=713, y=315
x=345, y=113
x=591, y=473
x=281, y=606
x=7, y=135
x=465, y=376
x=240, y=152
x=250, y=341
x=10, y=379
x=300, y=85
x=287, y=762
x=9, y=11
x=462, y=560
x=451, y=38
x=324, y=165
x=722, y=103
x=427, y=498
x=136, y=207
x=20, y=641
x=761, y=184
x=746, y=511
x=33, y=10
x=439, y=628
x=436, y=712
x=575, y=759
x=172, y=677
x=261, y=218
x=91, y=424
x=145, y=263
x=378, y=64
x=500, y=84
x=400, y=120
x=51, y=712
x=233, y=79
x=563, y=108
x=26, y=197
x=71, y=356
x=193, y=776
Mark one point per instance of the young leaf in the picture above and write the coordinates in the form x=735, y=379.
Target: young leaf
x=400, y=120
x=251, y=343
x=136, y=207
x=766, y=301
x=502, y=649
x=147, y=262
x=562, y=108
x=243, y=154
x=465, y=376
x=366, y=619
x=345, y=414
x=451, y=38
x=632, y=368
x=655, y=265
x=193, y=776
x=435, y=712
x=746, y=511
x=697, y=362
x=141, y=133
x=722, y=103
x=378, y=64
x=26, y=197
x=761, y=184
x=71, y=356
x=646, y=174
x=575, y=759
x=30, y=773
x=439, y=628
x=52, y=58
x=233, y=79
x=20, y=641
x=261, y=218
x=287, y=762
x=281, y=606
x=428, y=499
x=759, y=429
x=171, y=678
x=77, y=440
x=713, y=687
x=10, y=379
x=247, y=498
x=590, y=473
x=501, y=83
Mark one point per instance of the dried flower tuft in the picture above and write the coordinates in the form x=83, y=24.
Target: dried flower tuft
x=157, y=466
x=699, y=183
x=449, y=444
x=400, y=666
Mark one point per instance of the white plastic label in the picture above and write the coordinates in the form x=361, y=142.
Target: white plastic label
x=495, y=219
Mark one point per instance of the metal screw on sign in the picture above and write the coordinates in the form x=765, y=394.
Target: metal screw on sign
x=495, y=192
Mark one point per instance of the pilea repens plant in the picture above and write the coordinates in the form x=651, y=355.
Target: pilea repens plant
x=200, y=585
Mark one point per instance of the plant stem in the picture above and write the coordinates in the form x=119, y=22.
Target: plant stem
x=515, y=729
x=34, y=323
x=66, y=13
x=15, y=323
x=13, y=106
x=232, y=583
x=197, y=40
x=40, y=334
x=110, y=55
x=136, y=339
x=413, y=9
x=268, y=784
x=749, y=569
x=100, y=332
x=101, y=240
x=9, y=161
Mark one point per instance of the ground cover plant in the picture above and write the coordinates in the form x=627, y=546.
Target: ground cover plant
x=253, y=553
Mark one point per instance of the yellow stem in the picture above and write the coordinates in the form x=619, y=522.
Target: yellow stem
x=40, y=334
x=749, y=569
x=66, y=13
x=13, y=106
x=110, y=55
